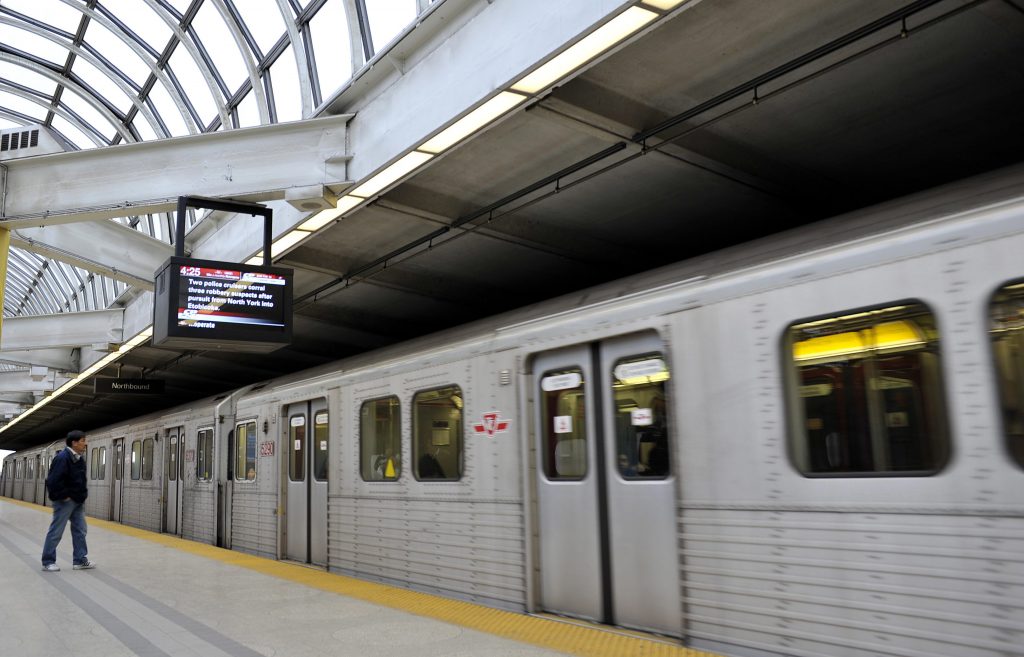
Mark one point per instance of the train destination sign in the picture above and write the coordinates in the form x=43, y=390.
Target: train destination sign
x=205, y=304
x=106, y=384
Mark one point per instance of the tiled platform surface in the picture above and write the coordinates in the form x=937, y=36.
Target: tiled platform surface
x=153, y=595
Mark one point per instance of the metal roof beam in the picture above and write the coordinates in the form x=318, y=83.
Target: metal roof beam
x=148, y=177
x=57, y=359
x=103, y=247
x=62, y=330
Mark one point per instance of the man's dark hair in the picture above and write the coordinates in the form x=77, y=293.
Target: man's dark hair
x=73, y=436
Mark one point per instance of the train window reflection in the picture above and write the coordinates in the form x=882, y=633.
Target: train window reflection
x=437, y=434
x=136, y=459
x=94, y=456
x=147, y=459
x=564, y=426
x=320, y=446
x=297, y=448
x=245, y=451
x=865, y=393
x=641, y=427
x=204, y=455
x=1007, y=333
x=103, y=464
x=380, y=427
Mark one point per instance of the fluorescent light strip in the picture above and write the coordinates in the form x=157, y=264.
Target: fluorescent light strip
x=398, y=170
x=136, y=340
x=664, y=5
x=473, y=121
x=324, y=217
x=287, y=241
x=588, y=48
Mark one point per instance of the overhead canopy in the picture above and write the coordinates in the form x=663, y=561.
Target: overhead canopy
x=704, y=125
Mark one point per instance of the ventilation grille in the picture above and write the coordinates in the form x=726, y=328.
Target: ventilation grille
x=11, y=141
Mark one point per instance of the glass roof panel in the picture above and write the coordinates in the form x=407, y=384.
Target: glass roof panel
x=143, y=21
x=287, y=93
x=51, y=12
x=34, y=44
x=7, y=123
x=191, y=79
x=388, y=18
x=220, y=44
x=27, y=78
x=248, y=112
x=146, y=132
x=102, y=84
x=330, y=47
x=263, y=18
x=87, y=112
x=72, y=134
x=117, y=52
x=168, y=111
x=18, y=104
x=180, y=5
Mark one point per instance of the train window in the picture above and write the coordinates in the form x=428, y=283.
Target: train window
x=297, y=448
x=564, y=442
x=31, y=470
x=865, y=393
x=437, y=434
x=380, y=431
x=103, y=464
x=245, y=451
x=172, y=457
x=320, y=437
x=204, y=455
x=136, y=460
x=641, y=430
x=94, y=455
x=147, y=459
x=1007, y=334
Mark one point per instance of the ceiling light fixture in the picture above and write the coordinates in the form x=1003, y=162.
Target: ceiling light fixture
x=595, y=43
x=664, y=5
x=478, y=118
x=324, y=217
x=385, y=178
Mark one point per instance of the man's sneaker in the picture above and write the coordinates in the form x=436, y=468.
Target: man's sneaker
x=85, y=565
x=51, y=568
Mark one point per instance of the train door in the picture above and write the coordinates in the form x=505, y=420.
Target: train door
x=174, y=480
x=606, y=493
x=306, y=482
x=117, y=480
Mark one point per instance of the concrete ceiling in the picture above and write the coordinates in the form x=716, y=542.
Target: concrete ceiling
x=733, y=120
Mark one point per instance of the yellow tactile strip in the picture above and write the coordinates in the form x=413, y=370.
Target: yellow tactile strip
x=570, y=638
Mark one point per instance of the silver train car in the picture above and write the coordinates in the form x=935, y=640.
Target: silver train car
x=808, y=445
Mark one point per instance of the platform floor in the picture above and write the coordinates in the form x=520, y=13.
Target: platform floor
x=154, y=595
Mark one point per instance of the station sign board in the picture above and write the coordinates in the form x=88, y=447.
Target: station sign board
x=117, y=386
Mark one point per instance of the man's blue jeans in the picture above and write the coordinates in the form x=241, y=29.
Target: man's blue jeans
x=62, y=512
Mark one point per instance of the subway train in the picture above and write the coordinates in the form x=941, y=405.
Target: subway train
x=811, y=444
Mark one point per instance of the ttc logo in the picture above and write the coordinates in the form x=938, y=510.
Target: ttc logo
x=491, y=424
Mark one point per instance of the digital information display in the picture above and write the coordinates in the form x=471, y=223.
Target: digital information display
x=204, y=304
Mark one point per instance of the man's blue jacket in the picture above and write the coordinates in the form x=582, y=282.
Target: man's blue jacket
x=67, y=478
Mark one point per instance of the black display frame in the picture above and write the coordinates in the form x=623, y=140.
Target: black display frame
x=169, y=332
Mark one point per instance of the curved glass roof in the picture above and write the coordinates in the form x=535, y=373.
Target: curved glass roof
x=98, y=73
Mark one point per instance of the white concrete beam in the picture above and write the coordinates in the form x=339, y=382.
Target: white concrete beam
x=256, y=164
x=101, y=247
x=23, y=382
x=453, y=72
x=58, y=359
x=62, y=330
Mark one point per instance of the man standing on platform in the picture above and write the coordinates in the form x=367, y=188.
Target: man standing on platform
x=67, y=485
